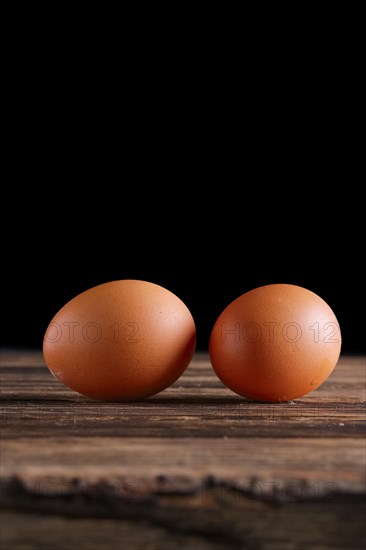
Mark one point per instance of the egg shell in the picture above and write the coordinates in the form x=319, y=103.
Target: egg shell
x=275, y=343
x=121, y=340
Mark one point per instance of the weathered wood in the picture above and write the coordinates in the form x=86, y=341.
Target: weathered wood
x=35, y=404
x=200, y=466
x=35, y=532
x=220, y=525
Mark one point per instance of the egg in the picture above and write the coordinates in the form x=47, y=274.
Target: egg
x=275, y=343
x=121, y=340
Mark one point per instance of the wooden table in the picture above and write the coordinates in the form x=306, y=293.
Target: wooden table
x=194, y=467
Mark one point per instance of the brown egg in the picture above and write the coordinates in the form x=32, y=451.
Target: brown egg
x=121, y=340
x=275, y=343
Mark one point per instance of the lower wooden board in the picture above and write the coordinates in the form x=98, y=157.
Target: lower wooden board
x=233, y=524
x=195, y=466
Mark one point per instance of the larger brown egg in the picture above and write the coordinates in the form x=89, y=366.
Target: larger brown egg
x=275, y=343
x=121, y=340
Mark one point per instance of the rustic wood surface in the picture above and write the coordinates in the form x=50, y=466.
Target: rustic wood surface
x=195, y=466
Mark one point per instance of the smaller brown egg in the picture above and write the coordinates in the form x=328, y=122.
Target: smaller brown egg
x=275, y=343
x=121, y=340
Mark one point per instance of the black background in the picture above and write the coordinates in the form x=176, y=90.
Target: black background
x=207, y=251
x=181, y=181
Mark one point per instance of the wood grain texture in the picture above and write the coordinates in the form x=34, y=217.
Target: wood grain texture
x=286, y=475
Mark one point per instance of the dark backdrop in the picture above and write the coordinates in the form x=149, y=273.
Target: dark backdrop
x=182, y=176
x=207, y=251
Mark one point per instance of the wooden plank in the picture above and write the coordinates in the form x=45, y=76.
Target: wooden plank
x=315, y=465
x=35, y=404
x=25, y=376
x=232, y=524
x=196, y=465
x=34, y=531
